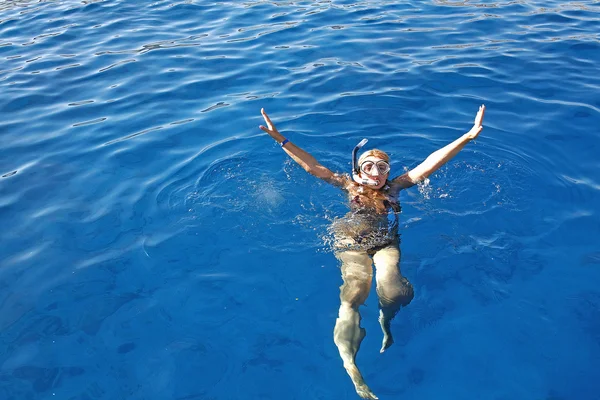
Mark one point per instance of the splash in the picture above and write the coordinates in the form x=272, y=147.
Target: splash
x=266, y=194
x=425, y=188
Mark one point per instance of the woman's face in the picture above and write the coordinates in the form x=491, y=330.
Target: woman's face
x=376, y=169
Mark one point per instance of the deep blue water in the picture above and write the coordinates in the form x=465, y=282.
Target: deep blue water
x=155, y=244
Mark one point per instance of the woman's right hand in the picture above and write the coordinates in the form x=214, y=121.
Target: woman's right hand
x=270, y=128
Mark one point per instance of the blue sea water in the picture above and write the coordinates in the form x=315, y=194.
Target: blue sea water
x=155, y=244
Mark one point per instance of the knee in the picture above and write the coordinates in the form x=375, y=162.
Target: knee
x=398, y=296
x=355, y=294
x=406, y=294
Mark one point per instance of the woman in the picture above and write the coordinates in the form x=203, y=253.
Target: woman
x=369, y=234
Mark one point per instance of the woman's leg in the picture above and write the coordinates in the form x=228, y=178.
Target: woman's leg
x=394, y=290
x=357, y=273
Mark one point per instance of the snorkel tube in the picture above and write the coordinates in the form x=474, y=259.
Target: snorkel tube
x=356, y=169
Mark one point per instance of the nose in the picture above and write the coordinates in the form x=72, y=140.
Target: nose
x=374, y=171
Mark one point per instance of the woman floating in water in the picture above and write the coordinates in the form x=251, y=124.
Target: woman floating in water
x=369, y=234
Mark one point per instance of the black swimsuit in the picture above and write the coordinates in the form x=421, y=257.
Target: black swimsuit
x=365, y=229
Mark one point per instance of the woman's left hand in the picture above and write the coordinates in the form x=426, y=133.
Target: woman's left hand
x=477, y=126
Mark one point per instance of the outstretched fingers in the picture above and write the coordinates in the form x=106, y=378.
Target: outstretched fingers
x=479, y=116
x=270, y=126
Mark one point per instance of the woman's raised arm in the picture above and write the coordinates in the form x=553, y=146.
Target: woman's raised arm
x=305, y=160
x=441, y=156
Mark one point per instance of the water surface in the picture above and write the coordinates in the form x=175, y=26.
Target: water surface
x=155, y=244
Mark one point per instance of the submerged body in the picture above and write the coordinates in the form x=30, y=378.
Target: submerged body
x=367, y=235
x=371, y=222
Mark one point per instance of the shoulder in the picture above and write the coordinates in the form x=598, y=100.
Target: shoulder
x=343, y=181
x=401, y=182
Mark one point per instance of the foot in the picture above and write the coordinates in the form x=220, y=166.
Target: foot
x=388, y=340
x=364, y=392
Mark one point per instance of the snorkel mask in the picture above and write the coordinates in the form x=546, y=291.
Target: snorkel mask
x=356, y=169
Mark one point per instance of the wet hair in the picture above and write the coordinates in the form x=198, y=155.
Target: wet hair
x=375, y=153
